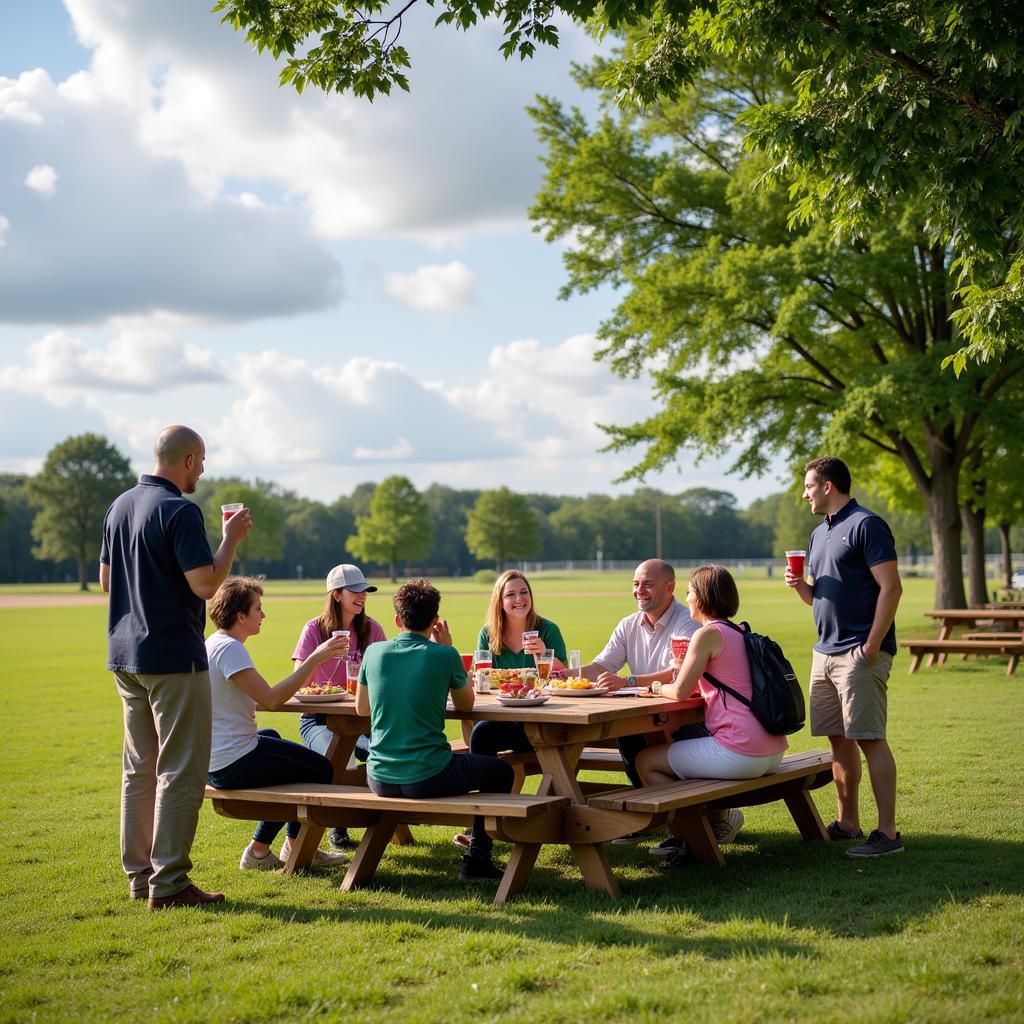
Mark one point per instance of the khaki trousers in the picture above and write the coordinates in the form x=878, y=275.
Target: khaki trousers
x=167, y=735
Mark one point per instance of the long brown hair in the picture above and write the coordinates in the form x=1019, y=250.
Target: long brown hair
x=495, y=621
x=330, y=620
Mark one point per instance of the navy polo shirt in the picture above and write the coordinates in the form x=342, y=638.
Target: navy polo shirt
x=152, y=536
x=839, y=559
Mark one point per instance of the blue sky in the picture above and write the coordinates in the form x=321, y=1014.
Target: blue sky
x=331, y=291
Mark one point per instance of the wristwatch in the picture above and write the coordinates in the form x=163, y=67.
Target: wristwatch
x=631, y=680
x=656, y=686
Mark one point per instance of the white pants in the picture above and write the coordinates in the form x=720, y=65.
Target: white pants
x=705, y=758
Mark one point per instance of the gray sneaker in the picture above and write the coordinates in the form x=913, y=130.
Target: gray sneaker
x=321, y=859
x=725, y=831
x=250, y=862
x=878, y=845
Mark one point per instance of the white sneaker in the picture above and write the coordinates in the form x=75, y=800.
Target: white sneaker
x=725, y=831
x=250, y=862
x=321, y=859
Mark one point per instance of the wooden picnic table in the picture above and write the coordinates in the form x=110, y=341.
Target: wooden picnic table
x=1011, y=621
x=559, y=730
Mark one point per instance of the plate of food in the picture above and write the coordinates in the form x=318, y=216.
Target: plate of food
x=522, y=702
x=571, y=688
x=322, y=694
x=500, y=677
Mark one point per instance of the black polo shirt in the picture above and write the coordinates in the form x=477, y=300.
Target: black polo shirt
x=151, y=537
x=839, y=559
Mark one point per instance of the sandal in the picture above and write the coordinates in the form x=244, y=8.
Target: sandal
x=462, y=840
x=838, y=834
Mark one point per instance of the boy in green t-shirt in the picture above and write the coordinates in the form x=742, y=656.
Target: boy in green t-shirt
x=403, y=686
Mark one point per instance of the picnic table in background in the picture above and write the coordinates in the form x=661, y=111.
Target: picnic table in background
x=1004, y=638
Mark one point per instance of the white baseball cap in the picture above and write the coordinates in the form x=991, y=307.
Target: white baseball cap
x=348, y=577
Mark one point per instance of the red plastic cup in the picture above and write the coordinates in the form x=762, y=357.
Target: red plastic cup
x=679, y=646
x=227, y=511
x=467, y=661
x=795, y=561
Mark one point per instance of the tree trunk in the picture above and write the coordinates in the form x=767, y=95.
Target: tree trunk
x=944, y=520
x=974, y=527
x=1004, y=546
x=393, y=567
x=83, y=582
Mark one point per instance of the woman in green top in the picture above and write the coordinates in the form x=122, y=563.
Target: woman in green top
x=510, y=614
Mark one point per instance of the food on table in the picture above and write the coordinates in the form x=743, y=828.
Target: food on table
x=579, y=684
x=320, y=689
x=520, y=687
x=500, y=676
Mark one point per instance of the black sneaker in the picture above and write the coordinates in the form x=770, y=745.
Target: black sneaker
x=838, y=834
x=635, y=837
x=678, y=860
x=878, y=845
x=479, y=869
x=339, y=839
x=668, y=847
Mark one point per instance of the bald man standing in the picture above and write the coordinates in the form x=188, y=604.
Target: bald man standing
x=157, y=566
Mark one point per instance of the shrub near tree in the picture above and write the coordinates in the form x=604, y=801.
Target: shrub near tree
x=502, y=526
x=74, y=489
x=398, y=526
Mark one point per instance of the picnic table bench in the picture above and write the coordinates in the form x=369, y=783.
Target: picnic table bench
x=796, y=776
x=521, y=819
x=938, y=649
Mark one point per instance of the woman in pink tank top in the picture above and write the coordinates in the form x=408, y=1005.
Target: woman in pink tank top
x=737, y=745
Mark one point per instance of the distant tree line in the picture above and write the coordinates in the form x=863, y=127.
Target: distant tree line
x=50, y=524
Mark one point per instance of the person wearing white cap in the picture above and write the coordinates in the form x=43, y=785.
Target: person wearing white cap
x=345, y=610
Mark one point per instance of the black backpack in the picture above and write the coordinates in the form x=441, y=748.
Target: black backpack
x=776, y=699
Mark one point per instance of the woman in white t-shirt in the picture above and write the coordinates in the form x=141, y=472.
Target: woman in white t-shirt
x=243, y=756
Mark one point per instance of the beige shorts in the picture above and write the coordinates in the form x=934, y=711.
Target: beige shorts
x=849, y=695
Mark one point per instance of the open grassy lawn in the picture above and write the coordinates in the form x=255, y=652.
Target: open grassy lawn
x=786, y=931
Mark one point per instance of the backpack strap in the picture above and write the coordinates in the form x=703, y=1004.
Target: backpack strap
x=717, y=683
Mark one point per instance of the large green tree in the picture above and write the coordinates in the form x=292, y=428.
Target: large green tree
x=774, y=337
x=893, y=99
x=502, y=526
x=266, y=539
x=398, y=525
x=79, y=479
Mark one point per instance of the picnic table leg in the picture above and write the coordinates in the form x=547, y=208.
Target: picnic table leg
x=698, y=836
x=371, y=849
x=915, y=661
x=517, y=871
x=559, y=762
x=806, y=816
x=304, y=848
x=944, y=633
x=1011, y=665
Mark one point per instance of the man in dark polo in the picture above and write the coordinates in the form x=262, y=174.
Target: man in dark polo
x=156, y=564
x=853, y=584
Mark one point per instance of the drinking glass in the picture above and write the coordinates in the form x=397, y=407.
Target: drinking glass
x=680, y=644
x=352, y=675
x=228, y=510
x=795, y=561
x=346, y=633
x=482, y=659
x=574, y=663
x=544, y=662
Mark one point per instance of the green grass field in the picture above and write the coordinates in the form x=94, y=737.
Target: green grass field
x=786, y=931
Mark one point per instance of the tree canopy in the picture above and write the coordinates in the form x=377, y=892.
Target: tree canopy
x=501, y=525
x=398, y=525
x=264, y=542
x=770, y=335
x=79, y=479
x=891, y=100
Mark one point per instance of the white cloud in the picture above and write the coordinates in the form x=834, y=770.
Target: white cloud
x=5, y=226
x=436, y=288
x=145, y=358
x=126, y=234
x=42, y=179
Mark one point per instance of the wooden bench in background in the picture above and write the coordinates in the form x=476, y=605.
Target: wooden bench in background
x=797, y=775
x=938, y=649
x=523, y=820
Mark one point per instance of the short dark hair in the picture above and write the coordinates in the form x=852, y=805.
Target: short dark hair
x=715, y=591
x=234, y=597
x=834, y=470
x=416, y=604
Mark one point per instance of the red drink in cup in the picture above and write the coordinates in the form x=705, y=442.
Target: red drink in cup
x=467, y=661
x=227, y=511
x=795, y=561
x=679, y=646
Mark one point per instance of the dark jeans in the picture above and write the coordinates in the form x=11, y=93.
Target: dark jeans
x=489, y=738
x=316, y=736
x=274, y=762
x=466, y=773
x=630, y=747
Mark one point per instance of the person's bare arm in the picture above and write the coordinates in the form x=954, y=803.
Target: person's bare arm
x=104, y=577
x=205, y=579
x=253, y=685
x=800, y=585
x=890, y=589
x=463, y=698
x=363, y=701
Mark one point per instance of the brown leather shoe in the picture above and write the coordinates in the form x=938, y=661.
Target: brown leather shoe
x=190, y=896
